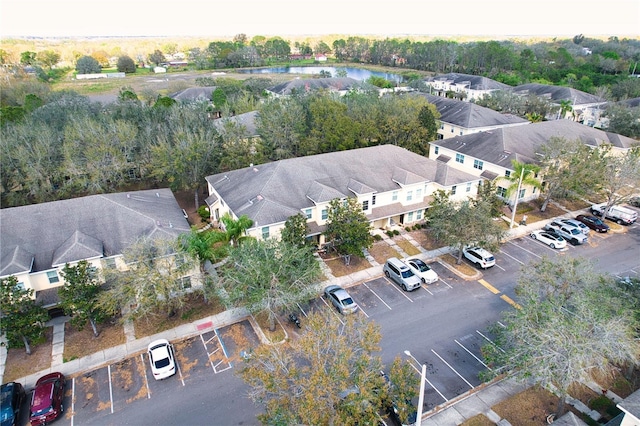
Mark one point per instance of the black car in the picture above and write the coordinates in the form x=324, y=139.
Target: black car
x=11, y=396
x=593, y=222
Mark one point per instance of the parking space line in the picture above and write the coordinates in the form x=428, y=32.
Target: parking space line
x=376, y=295
x=430, y=384
x=334, y=311
x=146, y=380
x=362, y=310
x=301, y=310
x=488, y=286
x=178, y=367
x=424, y=286
x=508, y=255
x=399, y=290
x=213, y=366
x=472, y=354
x=510, y=301
x=446, y=283
x=73, y=399
x=110, y=387
x=490, y=341
x=529, y=251
x=452, y=369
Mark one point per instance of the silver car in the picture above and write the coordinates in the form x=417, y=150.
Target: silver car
x=340, y=299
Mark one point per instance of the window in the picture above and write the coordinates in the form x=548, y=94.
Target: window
x=460, y=158
x=265, y=232
x=409, y=195
x=521, y=194
x=477, y=164
x=20, y=285
x=468, y=186
x=394, y=196
x=307, y=213
x=451, y=129
x=110, y=263
x=410, y=217
x=365, y=205
x=453, y=190
x=439, y=137
x=460, y=132
x=419, y=194
x=441, y=126
x=534, y=189
x=325, y=214
x=436, y=150
x=507, y=173
x=502, y=192
x=419, y=215
x=53, y=277
x=373, y=200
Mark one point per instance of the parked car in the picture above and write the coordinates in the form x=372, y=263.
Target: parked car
x=11, y=396
x=161, y=358
x=46, y=401
x=393, y=408
x=398, y=271
x=340, y=299
x=570, y=233
x=593, y=222
x=479, y=257
x=553, y=240
x=422, y=270
x=619, y=214
x=634, y=201
x=584, y=228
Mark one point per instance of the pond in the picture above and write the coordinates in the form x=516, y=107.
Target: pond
x=355, y=73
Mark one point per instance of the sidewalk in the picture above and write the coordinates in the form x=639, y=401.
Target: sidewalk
x=453, y=412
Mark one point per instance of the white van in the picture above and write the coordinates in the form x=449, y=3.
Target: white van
x=620, y=215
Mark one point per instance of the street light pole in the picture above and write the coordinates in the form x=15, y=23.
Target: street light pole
x=421, y=397
x=515, y=203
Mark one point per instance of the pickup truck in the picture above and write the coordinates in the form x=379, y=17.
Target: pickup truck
x=619, y=214
x=570, y=233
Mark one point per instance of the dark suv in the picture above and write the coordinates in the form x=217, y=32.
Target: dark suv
x=11, y=397
x=46, y=402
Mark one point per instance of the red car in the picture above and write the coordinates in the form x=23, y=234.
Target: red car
x=46, y=402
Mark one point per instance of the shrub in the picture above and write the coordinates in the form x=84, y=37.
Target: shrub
x=126, y=64
x=88, y=65
x=396, y=232
x=407, y=228
x=204, y=212
x=389, y=233
x=377, y=237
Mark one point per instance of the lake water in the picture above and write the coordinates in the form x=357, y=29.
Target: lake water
x=355, y=73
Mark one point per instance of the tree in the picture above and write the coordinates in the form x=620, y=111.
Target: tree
x=619, y=172
x=569, y=169
x=158, y=278
x=28, y=58
x=235, y=229
x=267, y=276
x=487, y=194
x=523, y=175
x=461, y=224
x=157, y=57
x=295, y=231
x=48, y=58
x=79, y=295
x=572, y=325
x=348, y=229
x=624, y=120
x=566, y=106
x=125, y=64
x=329, y=375
x=22, y=319
x=88, y=65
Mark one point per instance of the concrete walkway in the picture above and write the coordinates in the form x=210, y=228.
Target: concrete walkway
x=454, y=412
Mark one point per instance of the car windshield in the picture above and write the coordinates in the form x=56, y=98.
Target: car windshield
x=489, y=258
x=421, y=266
x=348, y=301
x=575, y=231
x=407, y=273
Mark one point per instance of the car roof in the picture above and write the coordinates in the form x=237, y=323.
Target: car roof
x=43, y=392
x=341, y=294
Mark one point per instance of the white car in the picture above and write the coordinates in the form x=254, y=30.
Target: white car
x=554, y=241
x=422, y=270
x=479, y=257
x=161, y=358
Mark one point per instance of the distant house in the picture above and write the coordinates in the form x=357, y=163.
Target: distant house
x=247, y=121
x=194, y=94
x=392, y=184
x=466, y=86
x=458, y=118
x=321, y=58
x=340, y=85
x=586, y=108
x=39, y=239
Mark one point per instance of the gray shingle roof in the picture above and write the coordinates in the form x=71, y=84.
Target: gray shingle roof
x=194, y=94
x=470, y=115
x=246, y=120
x=476, y=82
x=272, y=192
x=313, y=84
x=70, y=230
x=521, y=143
x=558, y=93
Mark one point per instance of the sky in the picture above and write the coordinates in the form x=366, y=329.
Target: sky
x=83, y=18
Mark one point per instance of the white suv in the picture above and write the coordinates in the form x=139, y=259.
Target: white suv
x=479, y=256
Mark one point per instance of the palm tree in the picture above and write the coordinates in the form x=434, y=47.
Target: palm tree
x=565, y=107
x=235, y=229
x=523, y=175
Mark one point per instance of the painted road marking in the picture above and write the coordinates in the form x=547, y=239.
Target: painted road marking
x=452, y=369
x=430, y=384
x=510, y=301
x=376, y=295
x=508, y=255
x=489, y=287
x=472, y=354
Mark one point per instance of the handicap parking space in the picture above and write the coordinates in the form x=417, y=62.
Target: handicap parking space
x=215, y=351
x=191, y=356
x=239, y=340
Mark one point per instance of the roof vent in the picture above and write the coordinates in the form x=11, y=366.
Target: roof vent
x=158, y=194
x=128, y=195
